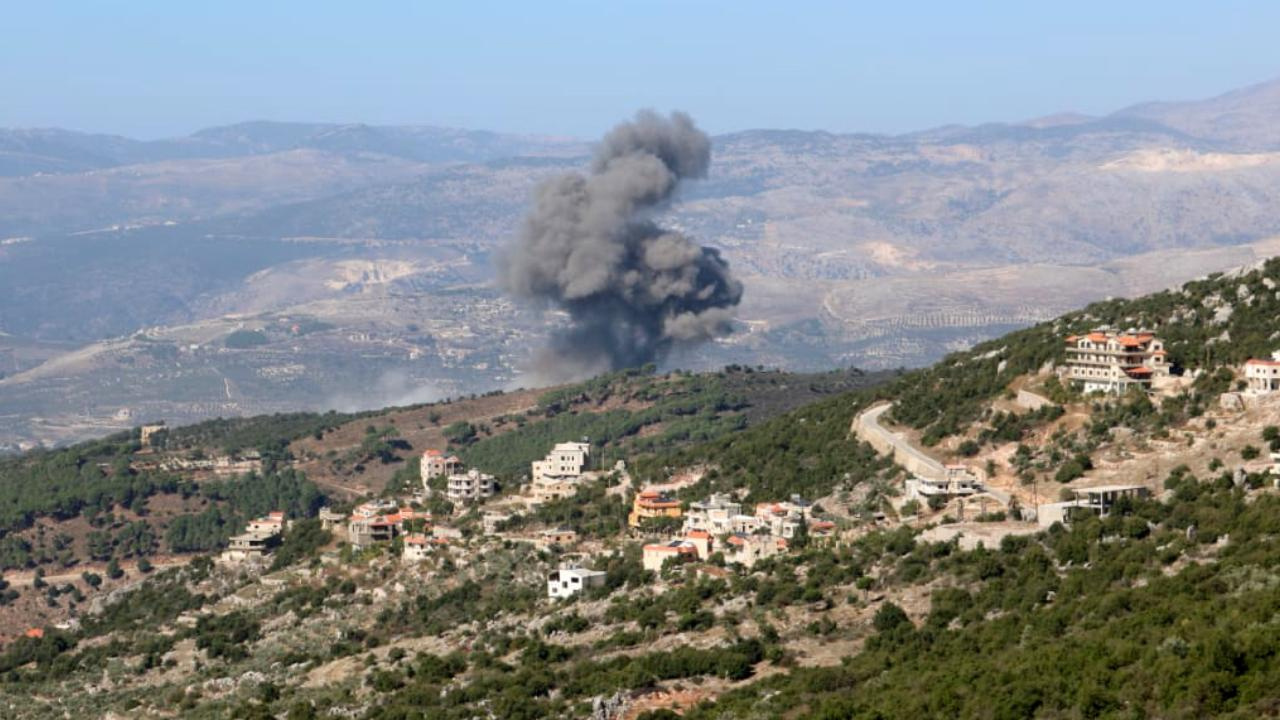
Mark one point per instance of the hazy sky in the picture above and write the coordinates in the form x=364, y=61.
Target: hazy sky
x=154, y=69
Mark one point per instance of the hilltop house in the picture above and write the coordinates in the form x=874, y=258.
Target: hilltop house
x=571, y=579
x=558, y=474
x=1113, y=362
x=652, y=504
x=1263, y=376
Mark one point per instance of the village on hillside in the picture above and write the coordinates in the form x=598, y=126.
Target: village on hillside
x=970, y=497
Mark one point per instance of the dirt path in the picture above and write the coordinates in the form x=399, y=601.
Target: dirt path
x=130, y=568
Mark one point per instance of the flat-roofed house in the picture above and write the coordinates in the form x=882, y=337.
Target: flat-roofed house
x=570, y=580
x=656, y=555
x=1263, y=376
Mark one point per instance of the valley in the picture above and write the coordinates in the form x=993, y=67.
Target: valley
x=855, y=250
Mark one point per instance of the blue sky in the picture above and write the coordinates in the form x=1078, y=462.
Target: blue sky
x=153, y=69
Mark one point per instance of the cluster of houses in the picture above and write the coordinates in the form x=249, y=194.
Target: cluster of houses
x=719, y=524
x=460, y=487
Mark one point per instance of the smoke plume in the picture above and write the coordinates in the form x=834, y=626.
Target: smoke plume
x=590, y=247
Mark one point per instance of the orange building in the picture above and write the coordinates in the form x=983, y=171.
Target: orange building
x=652, y=504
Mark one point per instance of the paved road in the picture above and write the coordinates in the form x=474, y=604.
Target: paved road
x=867, y=426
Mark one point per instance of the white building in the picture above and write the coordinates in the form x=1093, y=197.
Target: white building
x=959, y=482
x=1112, y=362
x=470, y=486
x=436, y=464
x=1263, y=376
x=557, y=475
x=570, y=580
x=718, y=515
x=782, y=519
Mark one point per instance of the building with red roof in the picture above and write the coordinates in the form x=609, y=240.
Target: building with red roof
x=1114, y=362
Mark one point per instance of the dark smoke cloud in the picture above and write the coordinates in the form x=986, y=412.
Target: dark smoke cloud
x=588, y=246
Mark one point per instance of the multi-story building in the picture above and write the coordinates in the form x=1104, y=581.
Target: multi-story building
x=1114, y=362
x=718, y=515
x=747, y=550
x=470, y=486
x=1263, y=376
x=436, y=464
x=261, y=535
x=652, y=504
x=782, y=519
x=559, y=473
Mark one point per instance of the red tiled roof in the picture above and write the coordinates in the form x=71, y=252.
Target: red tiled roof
x=1139, y=371
x=698, y=534
x=34, y=632
x=1266, y=363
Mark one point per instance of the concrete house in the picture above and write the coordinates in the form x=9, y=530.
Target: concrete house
x=718, y=515
x=471, y=486
x=570, y=580
x=1098, y=500
x=656, y=555
x=958, y=482
x=260, y=537
x=436, y=464
x=1263, y=376
x=558, y=474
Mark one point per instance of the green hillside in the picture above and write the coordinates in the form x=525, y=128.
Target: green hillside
x=1165, y=608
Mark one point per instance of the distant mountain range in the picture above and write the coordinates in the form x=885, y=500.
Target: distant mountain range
x=31, y=151
x=856, y=249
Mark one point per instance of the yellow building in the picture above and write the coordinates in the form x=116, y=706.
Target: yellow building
x=652, y=504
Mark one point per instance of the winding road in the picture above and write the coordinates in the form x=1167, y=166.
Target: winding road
x=867, y=427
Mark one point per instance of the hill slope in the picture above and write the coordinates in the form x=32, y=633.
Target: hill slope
x=1164, y=607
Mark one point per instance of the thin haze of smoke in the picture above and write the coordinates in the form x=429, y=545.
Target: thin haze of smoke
x=631, y=288
x=393, y=388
